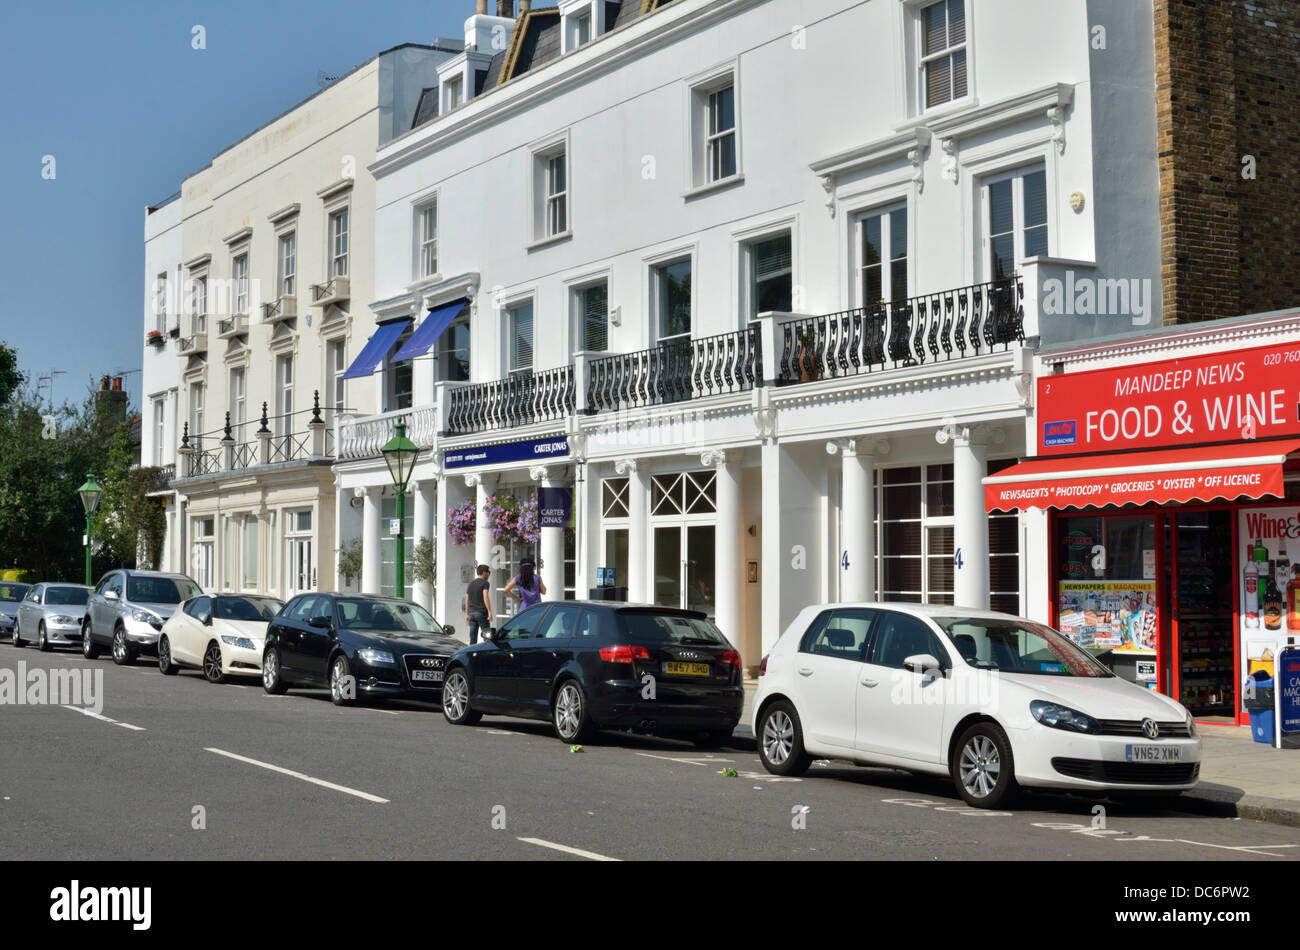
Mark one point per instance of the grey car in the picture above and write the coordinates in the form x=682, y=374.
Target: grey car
x=127, y=610
x=51, y=614
x=11, y=595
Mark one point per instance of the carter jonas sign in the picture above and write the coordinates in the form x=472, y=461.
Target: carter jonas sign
x=1220, y=397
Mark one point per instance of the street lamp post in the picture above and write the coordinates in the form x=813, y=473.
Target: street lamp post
x=400, y=454
x=89, y=493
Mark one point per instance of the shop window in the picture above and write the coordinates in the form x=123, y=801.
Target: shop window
x=616, y=554
x=1004, y=554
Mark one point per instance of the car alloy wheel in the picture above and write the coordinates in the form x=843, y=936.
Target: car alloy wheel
x=271, y=681
x=42, y=641
x=983, y=769
x=455, y=700
x=119, y=647
x=569, y=714
x=339, y=676
x=212, y=664
x=980, y=766
x=14, y=637
x=88, y=648
x=778, y=737
x=165, y=665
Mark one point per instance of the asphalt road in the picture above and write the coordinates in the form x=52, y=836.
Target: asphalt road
x=294, y=777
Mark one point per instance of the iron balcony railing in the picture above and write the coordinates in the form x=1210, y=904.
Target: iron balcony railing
x=675, y=371
x=160, y=479
x=951, y=324
x=519, y=399
x=205, y=452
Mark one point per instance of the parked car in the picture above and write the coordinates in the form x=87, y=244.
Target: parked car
x=11, y=595
x=127, y=610
x=222, y=635
x=587, y=666
x=994, y=701
x=51, y=614
x=357, y=646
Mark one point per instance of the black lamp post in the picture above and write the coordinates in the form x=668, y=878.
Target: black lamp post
x=89, y=493
x=400, y=453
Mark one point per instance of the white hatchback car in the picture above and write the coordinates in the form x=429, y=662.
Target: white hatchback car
x=223, y=635
x=992, y=700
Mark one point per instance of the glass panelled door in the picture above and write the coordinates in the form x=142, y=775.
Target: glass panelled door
x=1204, y=586
x=298, y=553
x=685, y=573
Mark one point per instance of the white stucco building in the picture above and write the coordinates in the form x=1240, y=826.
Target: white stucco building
x=271, y=248
x=759, y=282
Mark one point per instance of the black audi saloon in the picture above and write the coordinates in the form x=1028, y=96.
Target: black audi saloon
x=358, y=646
x=595, y=665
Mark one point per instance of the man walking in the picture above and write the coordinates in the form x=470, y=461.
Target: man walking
x=478, y=604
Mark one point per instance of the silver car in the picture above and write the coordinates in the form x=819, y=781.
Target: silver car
x=127, y=610
x=51, y=614
x=11, y=595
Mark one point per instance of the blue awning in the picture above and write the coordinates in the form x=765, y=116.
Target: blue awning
x=434, y=325
x=373, y=353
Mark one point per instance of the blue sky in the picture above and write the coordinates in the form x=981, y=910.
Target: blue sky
x=127, y=108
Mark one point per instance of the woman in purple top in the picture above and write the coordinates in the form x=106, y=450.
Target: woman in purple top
x=526, y=587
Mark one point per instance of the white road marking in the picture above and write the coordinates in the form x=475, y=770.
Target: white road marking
x=94, y=715
x=592, y=855
x=299, y=775
x=683, y=759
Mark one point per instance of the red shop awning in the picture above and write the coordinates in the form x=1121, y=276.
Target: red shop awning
x=1162, y=476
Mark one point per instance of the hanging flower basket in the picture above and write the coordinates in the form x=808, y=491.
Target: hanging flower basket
x=512, y=521
x=154, y=338
x=461, y=524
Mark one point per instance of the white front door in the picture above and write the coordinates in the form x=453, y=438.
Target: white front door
x=298, y=563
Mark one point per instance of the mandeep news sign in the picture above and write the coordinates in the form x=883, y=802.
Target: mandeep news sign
x=1218, y=397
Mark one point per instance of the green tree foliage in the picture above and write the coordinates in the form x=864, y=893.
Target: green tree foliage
x=10, y=378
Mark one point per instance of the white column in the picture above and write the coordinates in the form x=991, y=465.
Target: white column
x=552, y=566
x=422, y=492
x=482, y=485
x=857, y=554
x=638, y=534
x=970, y=520
x=775, y=557
x=729, y=564
x=370, y=541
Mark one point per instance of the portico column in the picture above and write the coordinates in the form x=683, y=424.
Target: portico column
x=552, y=541
x=857, y=555
x=422, y=591
x=970, y=521
x=483, y=533
x=638, y=533
x=727, y=559
x=369, y=540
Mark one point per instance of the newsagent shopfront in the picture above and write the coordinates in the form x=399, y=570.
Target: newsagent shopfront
x=1171, y=487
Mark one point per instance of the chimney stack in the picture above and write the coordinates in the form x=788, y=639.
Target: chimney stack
x=506, y=9
x=480, y=7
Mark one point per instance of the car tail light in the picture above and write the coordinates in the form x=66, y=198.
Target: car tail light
x=623, y=653
x=762, y=667
x=730, y=658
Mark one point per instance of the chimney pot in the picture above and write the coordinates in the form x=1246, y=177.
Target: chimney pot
x=480, y=7
x=524, y=7
x=506, y=8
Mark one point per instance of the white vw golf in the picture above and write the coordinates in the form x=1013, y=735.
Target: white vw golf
x=994, y=701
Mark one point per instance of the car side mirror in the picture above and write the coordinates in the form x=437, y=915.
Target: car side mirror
x=110, y=595
x=324, y=623
x=448, y=630
x=490, y=634
x=922, y=663
x=205, y=619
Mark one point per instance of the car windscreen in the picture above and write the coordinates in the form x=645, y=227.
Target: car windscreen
x=1018, y=646
x=357, y=613
x=159, y=590
x=71, y=596
x=651, y=627
x=12, y=593
x=245, y=608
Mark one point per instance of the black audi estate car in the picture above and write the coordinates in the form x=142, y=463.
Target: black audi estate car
x=590, y=665
x=357, y=645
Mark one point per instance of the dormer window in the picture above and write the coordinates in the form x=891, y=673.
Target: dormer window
x=581, y=22
x=453, y=92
